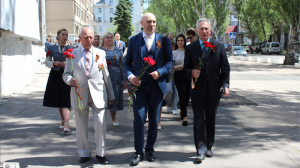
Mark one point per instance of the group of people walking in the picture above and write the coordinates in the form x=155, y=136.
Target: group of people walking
x=102, y=73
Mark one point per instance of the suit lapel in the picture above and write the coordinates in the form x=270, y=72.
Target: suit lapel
x=199, y=49
x=155, y=45
x=95, y=64
x=139, y=43
x=79, y=58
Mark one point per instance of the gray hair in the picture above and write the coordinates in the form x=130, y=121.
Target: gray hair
x=202, y=20
x=104, y=36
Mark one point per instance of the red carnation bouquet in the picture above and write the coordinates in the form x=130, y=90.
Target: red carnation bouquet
x=77, y=88
x=202, y=60
x=148, y=61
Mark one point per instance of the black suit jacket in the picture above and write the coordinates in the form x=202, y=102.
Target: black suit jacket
x=217, y=68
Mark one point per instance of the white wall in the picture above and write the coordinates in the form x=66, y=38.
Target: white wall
x=20, y=17
x=19, y=60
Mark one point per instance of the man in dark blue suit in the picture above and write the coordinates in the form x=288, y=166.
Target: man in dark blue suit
x=152, y=85
x=119, y=44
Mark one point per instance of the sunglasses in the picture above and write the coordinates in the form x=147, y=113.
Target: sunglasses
x=189, y=37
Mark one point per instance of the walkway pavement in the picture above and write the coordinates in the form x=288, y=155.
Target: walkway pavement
x=258, y=125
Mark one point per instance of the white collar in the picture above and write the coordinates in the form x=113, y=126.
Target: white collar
x=82, y=49
x=151, y=35
x=57, y=44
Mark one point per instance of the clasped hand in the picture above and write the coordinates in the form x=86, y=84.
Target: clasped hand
x=60, y=64
x=74, y=82
x=196, y=73
x=136, y=82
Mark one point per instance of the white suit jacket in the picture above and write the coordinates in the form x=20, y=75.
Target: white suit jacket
x=98, y=83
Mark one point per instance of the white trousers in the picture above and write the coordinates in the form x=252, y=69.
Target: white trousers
x=82, y=117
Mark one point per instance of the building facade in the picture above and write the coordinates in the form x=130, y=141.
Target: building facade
x=72, y=15
x=104, y=16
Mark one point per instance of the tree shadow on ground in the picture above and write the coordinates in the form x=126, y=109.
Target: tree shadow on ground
x=31, y=132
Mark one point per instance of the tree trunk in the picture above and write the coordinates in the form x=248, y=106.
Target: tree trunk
x=282, y=38
x=276, y=37
x=203, y=8
x=263, y=27
x=292, y=52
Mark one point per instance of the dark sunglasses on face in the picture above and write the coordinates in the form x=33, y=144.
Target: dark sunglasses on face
x=189, y=37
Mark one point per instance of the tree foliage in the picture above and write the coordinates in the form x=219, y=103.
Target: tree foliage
x=185, y=14
x=290, y=14
x=123, y=19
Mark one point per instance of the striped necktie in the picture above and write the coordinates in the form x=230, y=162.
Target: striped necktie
x=87, y=62
x=148, y=43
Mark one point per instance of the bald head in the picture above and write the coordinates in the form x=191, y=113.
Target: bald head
x=148, y=23
x=86, y=30
x=86, y=37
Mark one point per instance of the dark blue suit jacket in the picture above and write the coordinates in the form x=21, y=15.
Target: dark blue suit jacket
x=134, y=59
x=122, y=47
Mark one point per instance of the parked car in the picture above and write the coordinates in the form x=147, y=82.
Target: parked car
x=258, y=46
x=238, y=50
x=271, y=47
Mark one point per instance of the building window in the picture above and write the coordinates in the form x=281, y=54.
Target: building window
x=99, y=10
x=99, y=19
x=111, y=19
x=100, y=28
x=111, y=10
x=111, y=2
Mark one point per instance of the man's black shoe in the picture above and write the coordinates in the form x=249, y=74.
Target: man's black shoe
x=102, y=160
x=150, y=157
x=84, y=159
x=137, y=159
x=209, y=153
x=200, y=157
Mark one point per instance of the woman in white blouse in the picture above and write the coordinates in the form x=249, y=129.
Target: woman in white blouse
x=183, y=84
x=57, y=92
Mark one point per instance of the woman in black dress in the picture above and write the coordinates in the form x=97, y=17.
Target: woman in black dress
x=57, y=93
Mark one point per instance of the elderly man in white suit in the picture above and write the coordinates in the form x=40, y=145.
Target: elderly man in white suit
x=96, y=86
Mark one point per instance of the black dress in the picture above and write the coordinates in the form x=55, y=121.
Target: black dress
x=57, y=92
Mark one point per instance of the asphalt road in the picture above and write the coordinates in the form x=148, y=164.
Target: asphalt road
x=257, y=126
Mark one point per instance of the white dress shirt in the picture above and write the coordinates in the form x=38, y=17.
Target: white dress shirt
x=90, y=55
x=152, y=37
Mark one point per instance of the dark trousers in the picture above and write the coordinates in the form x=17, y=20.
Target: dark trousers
x=183, y=86
x=147, y=97
x=204, y=121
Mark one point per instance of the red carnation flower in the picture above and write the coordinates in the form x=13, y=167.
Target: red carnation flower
x=70, y=50
x=108, y=63
x=150, y=61
x=48, y=53
x=207, y=44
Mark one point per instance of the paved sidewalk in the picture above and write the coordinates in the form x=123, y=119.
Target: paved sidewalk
x=257, y=126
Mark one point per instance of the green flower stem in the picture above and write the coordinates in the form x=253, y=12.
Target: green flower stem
x=201, y=63
x=143, y=70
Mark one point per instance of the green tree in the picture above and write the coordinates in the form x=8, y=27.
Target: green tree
x=123, y=19
x=290, y=14
x=220, y=17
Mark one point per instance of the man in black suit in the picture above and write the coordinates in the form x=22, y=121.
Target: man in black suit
x=212, y=80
